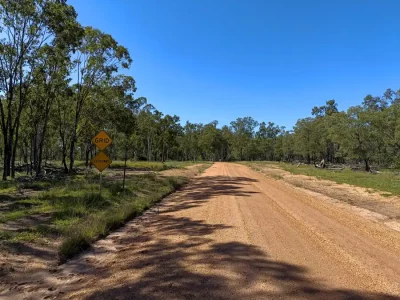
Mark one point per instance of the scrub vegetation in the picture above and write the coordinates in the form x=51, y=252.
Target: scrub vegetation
x=62, y=82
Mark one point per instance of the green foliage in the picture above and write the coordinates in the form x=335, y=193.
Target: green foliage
x=141, y=166
x=243, y=132
x=385, y=181
x=77, y=213
x=151, y=166
x=61, y=83
x=27, y=235
x=67, y=84
x=35, y=185
x=88, y=229
x=37, y=35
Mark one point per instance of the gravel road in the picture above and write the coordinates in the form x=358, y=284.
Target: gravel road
x=236, y=234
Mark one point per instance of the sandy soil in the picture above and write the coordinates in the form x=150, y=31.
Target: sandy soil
x=25, y=268
x=366, y=202
x=235, y=234
x=189, y=171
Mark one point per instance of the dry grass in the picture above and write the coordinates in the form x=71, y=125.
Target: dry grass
x=386, y=181
x=72, y=212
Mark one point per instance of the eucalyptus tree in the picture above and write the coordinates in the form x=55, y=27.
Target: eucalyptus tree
x=97, y=59
x=389, y=123
x=354, y=132
x=106, y=110
x=148, y=123
x=49, y=83
x=190, y=141
x=243, y=132
x=27, y=26
x=169, y=130
x=210, y=141
x=267, y=136
x=62, y=117
x=226, y=143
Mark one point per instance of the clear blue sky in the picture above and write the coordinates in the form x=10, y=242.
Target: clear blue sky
x=210, y=60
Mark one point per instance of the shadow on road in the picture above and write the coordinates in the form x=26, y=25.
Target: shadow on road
x=239, y=271
x=179, y=259
x=205, y=188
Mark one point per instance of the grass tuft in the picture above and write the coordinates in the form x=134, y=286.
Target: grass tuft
x=386, y=181
x=99, y=224
x=71, y=209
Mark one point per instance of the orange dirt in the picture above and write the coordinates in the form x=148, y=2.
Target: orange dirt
x=235, y=234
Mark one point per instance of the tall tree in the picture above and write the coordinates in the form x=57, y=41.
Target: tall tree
x=357, y=136
x=26, y=26
x=243, y=131
x=96, y=60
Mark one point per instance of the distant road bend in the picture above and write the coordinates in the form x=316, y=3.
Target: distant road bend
x=235, y=234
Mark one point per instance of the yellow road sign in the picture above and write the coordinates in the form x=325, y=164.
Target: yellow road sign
x=102, y=140
x=101, y=161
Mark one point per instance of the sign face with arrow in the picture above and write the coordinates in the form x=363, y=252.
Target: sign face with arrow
x=102, y=140
x=101, y=161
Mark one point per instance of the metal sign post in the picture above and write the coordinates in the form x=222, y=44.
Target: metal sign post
x=100, y=186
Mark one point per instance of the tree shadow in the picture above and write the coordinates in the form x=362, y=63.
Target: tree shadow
x=10, y=202
x=212, y=186
x=192, y=265
x=206, y=188
x=30, y=250
x=177, y=257
x=180, y=258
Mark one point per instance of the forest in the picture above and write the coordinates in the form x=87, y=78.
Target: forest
x=61, y=83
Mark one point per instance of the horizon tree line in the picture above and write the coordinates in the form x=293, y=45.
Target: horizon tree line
x=61, y=82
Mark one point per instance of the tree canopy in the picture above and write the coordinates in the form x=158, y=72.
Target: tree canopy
x=60, y=83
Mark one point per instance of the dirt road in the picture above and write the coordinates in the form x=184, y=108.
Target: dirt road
x=235, y=234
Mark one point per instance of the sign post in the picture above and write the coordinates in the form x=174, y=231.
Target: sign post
x=101, y=161
x=100, y=183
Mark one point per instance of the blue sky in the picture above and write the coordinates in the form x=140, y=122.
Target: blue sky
x=206, y=60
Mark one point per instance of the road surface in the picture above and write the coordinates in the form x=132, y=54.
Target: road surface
x=235, y=234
